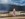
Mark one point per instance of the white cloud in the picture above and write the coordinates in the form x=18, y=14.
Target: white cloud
x=4, y=1
x=21, y=3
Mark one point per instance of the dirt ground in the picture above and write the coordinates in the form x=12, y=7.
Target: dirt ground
x=13, y=18
x=18, y=17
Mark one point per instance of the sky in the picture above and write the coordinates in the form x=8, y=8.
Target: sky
x=3, y=1
x=13, y=2
x=16, y=2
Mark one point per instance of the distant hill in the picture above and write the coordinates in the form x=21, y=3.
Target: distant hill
x=10, y=7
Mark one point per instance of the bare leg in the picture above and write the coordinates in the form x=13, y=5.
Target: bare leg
x=14, y=14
